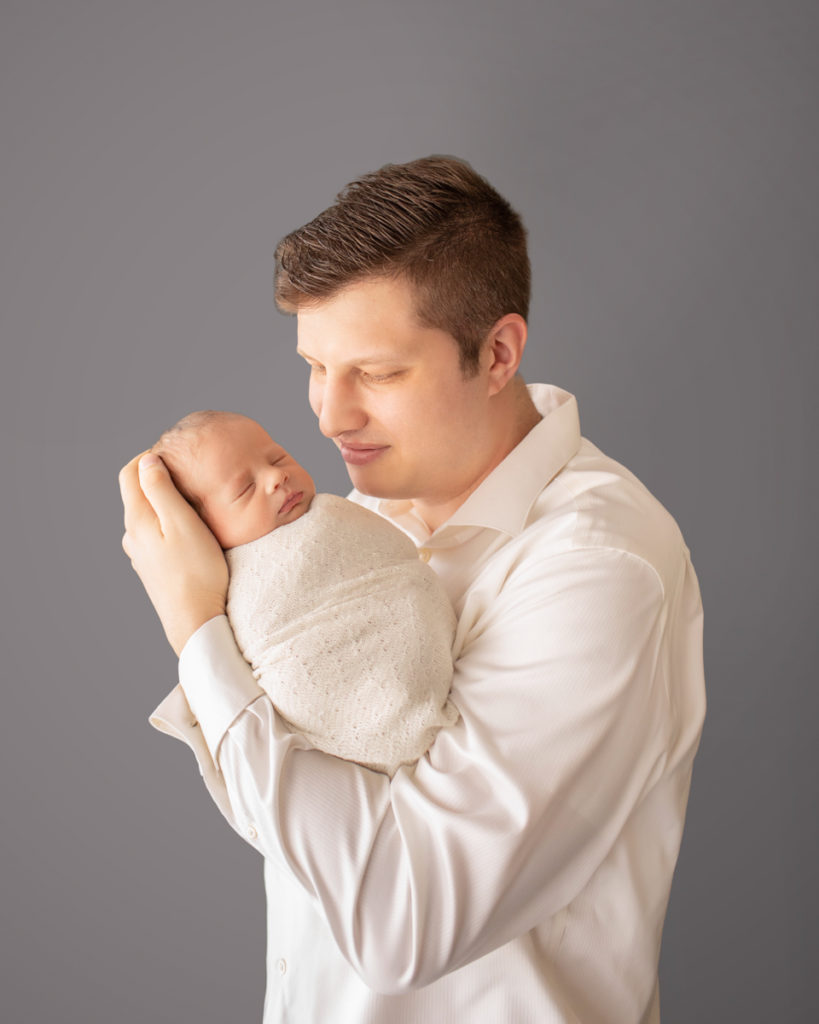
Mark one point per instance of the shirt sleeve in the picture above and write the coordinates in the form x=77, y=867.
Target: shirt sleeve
x=565, y=725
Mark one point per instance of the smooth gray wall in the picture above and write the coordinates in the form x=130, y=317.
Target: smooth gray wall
x=664, y=157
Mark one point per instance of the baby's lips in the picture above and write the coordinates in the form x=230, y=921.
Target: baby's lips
x=290, y=501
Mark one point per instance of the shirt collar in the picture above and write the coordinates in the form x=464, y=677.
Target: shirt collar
x=503, y=500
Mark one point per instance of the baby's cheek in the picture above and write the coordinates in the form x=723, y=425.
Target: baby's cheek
x=264, y=521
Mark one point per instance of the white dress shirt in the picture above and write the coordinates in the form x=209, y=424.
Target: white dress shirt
x=520, y=871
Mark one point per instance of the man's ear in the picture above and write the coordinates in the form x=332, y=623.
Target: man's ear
x=504, y=347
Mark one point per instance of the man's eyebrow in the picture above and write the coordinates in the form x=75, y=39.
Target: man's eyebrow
x=380, y=359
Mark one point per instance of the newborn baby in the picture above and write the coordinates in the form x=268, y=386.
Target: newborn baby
x=345, y=628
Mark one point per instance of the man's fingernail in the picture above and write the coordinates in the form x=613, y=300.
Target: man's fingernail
x=148, y=460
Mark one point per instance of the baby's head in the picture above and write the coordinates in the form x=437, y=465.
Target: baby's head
x=238, y=479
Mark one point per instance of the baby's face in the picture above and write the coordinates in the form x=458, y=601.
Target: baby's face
x=247, y=484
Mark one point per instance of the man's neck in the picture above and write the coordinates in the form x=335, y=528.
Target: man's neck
x=514, y=419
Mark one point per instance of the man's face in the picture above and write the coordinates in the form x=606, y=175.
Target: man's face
x=248, y=485
x=391, y=395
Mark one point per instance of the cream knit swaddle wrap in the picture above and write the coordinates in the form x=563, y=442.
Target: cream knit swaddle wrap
x=348, y=632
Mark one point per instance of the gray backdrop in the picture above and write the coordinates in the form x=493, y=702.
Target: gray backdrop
x=663, y=156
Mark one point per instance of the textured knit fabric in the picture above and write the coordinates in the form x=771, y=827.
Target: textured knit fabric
x=347, y=631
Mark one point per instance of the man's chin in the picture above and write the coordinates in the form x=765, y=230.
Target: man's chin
x=365, y=484
x=369, y=491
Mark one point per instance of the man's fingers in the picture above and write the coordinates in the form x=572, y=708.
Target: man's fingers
x=127, y=547
x=159, y=489
x=134, y=501
x=177, y=558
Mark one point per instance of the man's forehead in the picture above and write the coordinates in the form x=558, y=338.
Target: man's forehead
x=360, y=341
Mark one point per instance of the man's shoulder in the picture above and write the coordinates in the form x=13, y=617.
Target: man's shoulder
x=596, y=504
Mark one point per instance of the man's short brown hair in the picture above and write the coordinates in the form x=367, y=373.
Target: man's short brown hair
x=436, y=223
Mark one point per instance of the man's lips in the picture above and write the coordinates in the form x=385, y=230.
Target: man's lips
x=360, y=454
x=291, y=501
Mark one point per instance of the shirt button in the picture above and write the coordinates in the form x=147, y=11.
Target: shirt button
x=282, y=965
x=424, y=554
x=251, y=832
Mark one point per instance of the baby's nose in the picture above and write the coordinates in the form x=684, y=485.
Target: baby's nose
x=275, y=478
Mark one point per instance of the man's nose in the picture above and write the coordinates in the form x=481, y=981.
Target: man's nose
x=274, y=477
x=338, y=408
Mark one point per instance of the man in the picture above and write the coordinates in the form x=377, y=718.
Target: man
x=520, y=872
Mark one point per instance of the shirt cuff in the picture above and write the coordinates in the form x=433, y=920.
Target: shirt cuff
x=217, y=681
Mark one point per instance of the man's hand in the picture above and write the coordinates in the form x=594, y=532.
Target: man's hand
x=178, y=559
